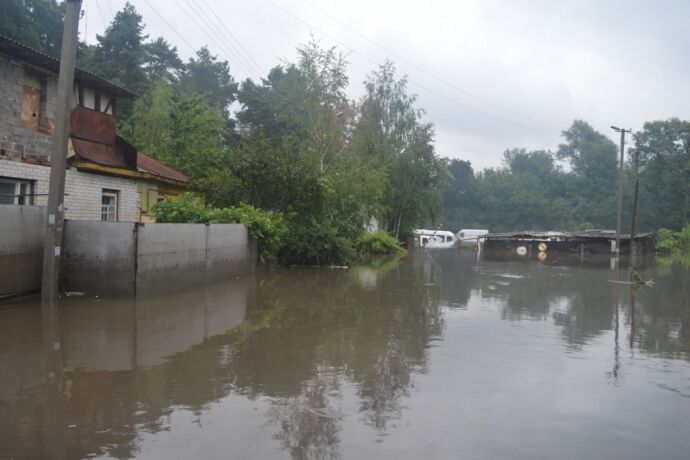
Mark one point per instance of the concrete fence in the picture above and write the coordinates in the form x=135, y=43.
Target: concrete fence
x=21, y=247
x=118, y=258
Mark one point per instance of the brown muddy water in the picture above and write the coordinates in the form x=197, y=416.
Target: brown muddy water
x=438, y=356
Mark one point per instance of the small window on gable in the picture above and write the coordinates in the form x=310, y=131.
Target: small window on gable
x=16, y=191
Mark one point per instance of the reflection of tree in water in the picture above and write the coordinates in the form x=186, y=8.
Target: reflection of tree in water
x=662, y=315
x=330, y=325
x=580, y=300
x=309, y=425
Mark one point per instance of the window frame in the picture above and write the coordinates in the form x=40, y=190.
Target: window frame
x=19, y=198
x=110, y=212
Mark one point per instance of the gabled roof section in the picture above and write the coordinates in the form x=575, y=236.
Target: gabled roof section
x=25, y=53
x=150, y=165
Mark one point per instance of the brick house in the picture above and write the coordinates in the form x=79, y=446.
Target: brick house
x=107, y=178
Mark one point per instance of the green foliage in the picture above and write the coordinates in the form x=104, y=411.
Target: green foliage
x=664, y=149
x=316, y=242
x=36, y=23
x=180, y=129
x=209, y=77
x=532, y=191
x=120, y=53
x=267, y=227
x=669, y=242
x=392, y=137
x=379, y=243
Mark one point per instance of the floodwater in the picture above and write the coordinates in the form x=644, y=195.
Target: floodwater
x=440, y=355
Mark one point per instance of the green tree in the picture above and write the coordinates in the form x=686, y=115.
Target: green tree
x=120, y=54
x=161, y=61
x=36, y=23
x=390, y=133
x=664, y=148
x=181, y=130
x=593, y=159
x=210, y=77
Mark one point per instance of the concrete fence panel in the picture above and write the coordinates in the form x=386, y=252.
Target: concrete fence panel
x=121, y=258
x=21, y=248
x=170, y=257
x=99, y=257
x=228, y=251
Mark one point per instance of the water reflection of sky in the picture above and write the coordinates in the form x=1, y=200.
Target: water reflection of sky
x=439, y=356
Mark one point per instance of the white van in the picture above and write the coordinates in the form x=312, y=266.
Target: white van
x=434, y=239
x=469, y=236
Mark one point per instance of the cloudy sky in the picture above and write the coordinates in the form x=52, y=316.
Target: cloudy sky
x=491, y=74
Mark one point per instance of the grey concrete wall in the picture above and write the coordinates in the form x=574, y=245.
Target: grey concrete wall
x=170, y=257
x=121, y=258
x=21, y=248
x=228, y=251
x=99, y=257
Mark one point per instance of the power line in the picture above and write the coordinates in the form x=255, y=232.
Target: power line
x=421, y=69
x=100, y=13
x=444, y=97
x=235, y=52
x=201, y=28
x=110, y=8
x=249, y=55
x=170, y=26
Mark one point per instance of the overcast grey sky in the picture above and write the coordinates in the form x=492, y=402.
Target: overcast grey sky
x=491, y=74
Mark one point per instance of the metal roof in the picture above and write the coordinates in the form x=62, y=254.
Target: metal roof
x=150, y=165
x=25, y=53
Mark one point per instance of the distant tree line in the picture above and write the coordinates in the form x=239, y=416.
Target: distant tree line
x=575, y=187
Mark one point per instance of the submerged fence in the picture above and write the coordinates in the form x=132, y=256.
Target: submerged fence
x=121, y=258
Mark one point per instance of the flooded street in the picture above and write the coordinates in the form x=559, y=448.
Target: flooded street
x=440, y=355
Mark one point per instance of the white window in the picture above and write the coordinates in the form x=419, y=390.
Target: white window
x=89, y=98
x=16, y=191
x=109, y=205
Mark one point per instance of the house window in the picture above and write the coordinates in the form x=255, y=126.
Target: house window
x=33, y=102
x=16, y=191
x=109, y=205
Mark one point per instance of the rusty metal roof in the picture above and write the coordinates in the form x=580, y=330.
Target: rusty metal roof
x=25, y=53
x=150, y=165
x=93, y=125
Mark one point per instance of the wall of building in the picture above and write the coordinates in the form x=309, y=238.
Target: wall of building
x=17, y=142
x=82, y=190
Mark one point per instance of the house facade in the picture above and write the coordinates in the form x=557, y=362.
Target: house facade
x=107, y=178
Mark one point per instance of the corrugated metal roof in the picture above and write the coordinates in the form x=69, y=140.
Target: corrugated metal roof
x=150, y=165
x=23, y=52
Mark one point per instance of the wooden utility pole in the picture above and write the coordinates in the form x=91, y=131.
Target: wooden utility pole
x=52, y=248
x=620, y=188
x=633, y=226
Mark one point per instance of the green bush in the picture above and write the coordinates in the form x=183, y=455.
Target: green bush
x=316, y=243
x=268, y=228
x=669, y=241
x=666, y=241
x=379, y=243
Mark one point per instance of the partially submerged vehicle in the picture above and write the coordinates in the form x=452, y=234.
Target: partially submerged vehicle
x=434, y=239
x=471, y=236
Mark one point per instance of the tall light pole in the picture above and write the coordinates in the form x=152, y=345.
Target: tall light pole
x=52, y=247
x=620, y=187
